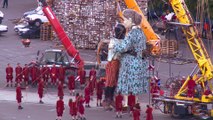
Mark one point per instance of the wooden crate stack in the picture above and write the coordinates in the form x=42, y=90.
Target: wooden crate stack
x=46, y=31
x=87, y=21
x=169, y=47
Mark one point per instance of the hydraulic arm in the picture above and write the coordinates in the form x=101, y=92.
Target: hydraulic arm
x=61, y=33
x=196, y=45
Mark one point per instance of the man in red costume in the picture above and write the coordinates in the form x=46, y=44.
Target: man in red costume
x=61, y=75
x=41, y=90
x=92, y=78
x=19, y=96
x=80, y=102
x=18, y=70
x=131, y=102
x=60, y=108
x=149, y=115
x=60, y=89
x=45, y=74
x=87, y=95
x=155, y=90
x=34, y=73
x=82, y=76
x=118, y=105
x=136, y=112
x=71, y=84
x=99, y=91
x=53, y=75
x=9, y=75
x=191, y=87
x=73, y=109
x=26, y=74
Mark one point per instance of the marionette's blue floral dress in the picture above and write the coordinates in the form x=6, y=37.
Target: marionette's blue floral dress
x=133, y=75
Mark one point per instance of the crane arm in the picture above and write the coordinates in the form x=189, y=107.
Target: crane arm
x=61, y=33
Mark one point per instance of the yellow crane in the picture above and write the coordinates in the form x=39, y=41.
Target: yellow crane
x=196, y=45
x=180, y=104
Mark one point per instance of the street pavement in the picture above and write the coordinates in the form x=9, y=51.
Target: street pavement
x=12, y=51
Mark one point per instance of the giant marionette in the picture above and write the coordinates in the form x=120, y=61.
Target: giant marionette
x=133, y=75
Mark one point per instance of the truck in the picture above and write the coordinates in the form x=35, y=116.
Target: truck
x=1, y=16
x=55, y=56
x=3, y=29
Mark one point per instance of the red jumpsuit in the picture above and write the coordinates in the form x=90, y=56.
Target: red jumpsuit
x=99, y=90
x=118, y=103
x=82, y=75
x=154, y=91
x=191, y=87
x=53, y=75
x=92, y=77
x=131, y=101
x=9, y=74
x=71, y=82
x=45, y=73
x=60, y=90
x=60, y=107
x=18, y=70
x=91, y=87
x=26, y=74
x=73, y=108
x=136, y=114
x=81, y=106
x=18, y=94
x=33, y=72
x=40, y=89
x=61, y=76
x=207, y=92
x=149, y=115
x=87, y=95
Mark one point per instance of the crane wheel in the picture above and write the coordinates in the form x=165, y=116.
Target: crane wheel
x=175, y=115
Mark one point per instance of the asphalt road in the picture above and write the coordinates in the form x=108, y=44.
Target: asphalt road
x=12, y=51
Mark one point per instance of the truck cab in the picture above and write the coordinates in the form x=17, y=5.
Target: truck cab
x=58, y=57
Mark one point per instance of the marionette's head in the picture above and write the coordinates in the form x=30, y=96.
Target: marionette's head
x=8, y=64
x=120, y=31
x=70, y=100
x=131, y=18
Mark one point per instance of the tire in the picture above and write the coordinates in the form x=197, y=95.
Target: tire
x=175, y=115
x=37, y=23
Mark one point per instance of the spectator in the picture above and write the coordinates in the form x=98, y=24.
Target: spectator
x=5, y=3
